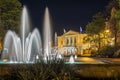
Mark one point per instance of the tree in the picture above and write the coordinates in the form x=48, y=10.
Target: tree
x=9, y=16
x=113, y=14
x=113, y=9
x=111, y=4
x=96, y=26
x=115, y=23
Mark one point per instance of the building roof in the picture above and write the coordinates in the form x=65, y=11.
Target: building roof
x=71, y=32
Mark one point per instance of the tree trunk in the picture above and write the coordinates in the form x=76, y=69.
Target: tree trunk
x=115, y=41
x=99, y=44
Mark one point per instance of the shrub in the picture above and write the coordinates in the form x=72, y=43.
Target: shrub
x=108, y=51
x=52, y=70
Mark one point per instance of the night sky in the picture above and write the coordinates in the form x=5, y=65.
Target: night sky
x=68, y=14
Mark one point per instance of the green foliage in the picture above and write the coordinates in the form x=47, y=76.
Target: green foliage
x=117, y=18
x=109, y=51
x=87, y=38
x=91, y=28
x=114, y=23
x=114, y=20
x=96, y=25
x=111, y=4
x=9, y=15
x=94, y=28
x=55, y=70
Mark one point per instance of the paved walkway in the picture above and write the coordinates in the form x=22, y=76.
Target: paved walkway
x=109, y=60
x=89, y=60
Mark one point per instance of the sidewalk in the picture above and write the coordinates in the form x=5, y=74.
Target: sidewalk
x=112, y=60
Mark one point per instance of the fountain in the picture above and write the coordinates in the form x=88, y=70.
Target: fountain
x=75, y=56
x=71, y=60
x=24, y=48
x=47, y=35
x=55, y=41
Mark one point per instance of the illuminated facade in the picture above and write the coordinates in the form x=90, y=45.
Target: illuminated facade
x=71, y=42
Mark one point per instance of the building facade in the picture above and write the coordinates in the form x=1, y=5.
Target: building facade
x=72, y=42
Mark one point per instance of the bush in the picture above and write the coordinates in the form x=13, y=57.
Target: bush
x=108, y=51
x=52, y=70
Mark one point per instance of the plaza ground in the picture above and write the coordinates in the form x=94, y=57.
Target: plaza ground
x=96, y=60
x=111, y=60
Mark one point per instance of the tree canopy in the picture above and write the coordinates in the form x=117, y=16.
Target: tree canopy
x=9, y=16
x=111, y=4
x=96, y=25
x=94, y=28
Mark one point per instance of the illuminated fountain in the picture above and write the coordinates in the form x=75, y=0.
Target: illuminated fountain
x=71, y=60
x=24, y=48
x=27, y=47
x=75, y=56
x=47, y=35
x=55, y=41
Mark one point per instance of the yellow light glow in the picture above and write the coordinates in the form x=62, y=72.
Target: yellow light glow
x=107, y=31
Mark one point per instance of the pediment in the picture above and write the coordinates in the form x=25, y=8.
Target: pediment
x=71, y=32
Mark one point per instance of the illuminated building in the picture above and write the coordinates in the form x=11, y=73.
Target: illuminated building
x=71, y=42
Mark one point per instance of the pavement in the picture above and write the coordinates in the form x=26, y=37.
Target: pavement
x=109, y=60
x=95, y=60
x=89, y=60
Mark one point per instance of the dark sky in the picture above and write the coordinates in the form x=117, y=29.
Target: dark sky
x=68, y=14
